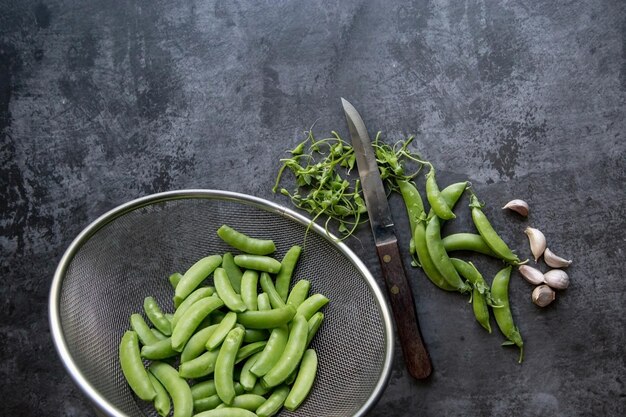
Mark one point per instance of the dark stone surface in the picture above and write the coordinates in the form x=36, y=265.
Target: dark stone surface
x=105, y=101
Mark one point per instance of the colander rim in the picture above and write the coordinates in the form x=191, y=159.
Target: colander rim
x=54, y=315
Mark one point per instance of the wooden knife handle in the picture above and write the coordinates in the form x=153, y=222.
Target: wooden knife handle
x=403, y=307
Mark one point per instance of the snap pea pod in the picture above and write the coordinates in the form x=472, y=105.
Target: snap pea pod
x=190, y=321
x=311, y=305
x=469, y=242
x=246, y=377
x=222, y=329
x=272, y=351
x=159, y=350
x=503, y=315
x=437, y=203
x=288, y=265
x=203, y=389
x=144, y=333
x=429, y=268
x=249, y=283
x=486, y=230
x=232, y=270
x=304, y=381
x=440, y=257
x=132, y=367
x=299, y=293
x=480, y=291
x=158, y=334
x=225, y=290
x=156, y=316
x=314, y=324
x=178, y=389
x=202, y=292
x=201, y=366
x=245, y=243
x=248, y=402
x=194, y=276
x=227, y=412
x=175, y=279
x=205, y=404
x=162, y=401
x=248, y=350
x=258, y=263
x=267, y=319
x=224, y=366
x=412, y=201
x=291, y=355
x=451, y=195
x=263, y=302
x=196, y=345
x=268, y=287
x=274, y=403
x=255, y=335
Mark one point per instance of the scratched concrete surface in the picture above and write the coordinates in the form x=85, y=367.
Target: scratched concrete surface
x=105, y=101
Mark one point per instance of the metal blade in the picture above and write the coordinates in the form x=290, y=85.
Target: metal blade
x=373, y=189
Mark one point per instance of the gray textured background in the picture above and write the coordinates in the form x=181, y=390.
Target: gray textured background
x=105, y=101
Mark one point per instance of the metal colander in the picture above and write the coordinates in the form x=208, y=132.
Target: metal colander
x=128, y=253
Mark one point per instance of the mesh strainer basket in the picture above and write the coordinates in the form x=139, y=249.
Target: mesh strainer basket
x=128, y=253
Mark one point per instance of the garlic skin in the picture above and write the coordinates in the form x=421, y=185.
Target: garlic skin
x=532, y=275
x=537, y=242
x=555, y=261
x=518, y=206
x=557, y=279
x=543, y=295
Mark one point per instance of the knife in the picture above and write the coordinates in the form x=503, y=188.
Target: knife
x=398, y=289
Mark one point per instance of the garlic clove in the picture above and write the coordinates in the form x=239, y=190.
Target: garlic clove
x=518, y=206
x=557, y=279
x=555, y=261
x=532, y=275
x=537, y=242
x=543, y=295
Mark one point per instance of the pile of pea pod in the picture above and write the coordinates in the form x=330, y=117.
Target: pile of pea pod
x=227, y=350
x=432, y=252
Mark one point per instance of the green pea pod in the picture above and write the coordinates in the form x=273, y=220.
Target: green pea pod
x=468, y=242
x=429, y=268
x=194, y=276
x=259, y=389
x=440, y=258
x=299, y=293
x=291, y=356
x=268, y=287
x=480, y=291
x=488, y=233
x=175, y=279
x=202, y=292
x=196, y=345
x=437, y=202
x=158, y=334
x=267, y=319
x=263, y=302
x=503, y=315
x=144, y=333
x=178, y=389
x=192, y=318
x=288, y=264
x=249, y=283
x=225, y=364
x=314, y=324
x=412, y=201
x=159, y=350
x=258, y=263
x=227, y=412
x=248, y=350
x=156, y=316
x=198, y=367
x=246, y=377
x=451, y=195
x=245, y=243
x=222, y=329
x=255, y=335
x=232, y=270
x=274, y=403
x=304, y=381
x=132, y=367
x=225, y=290
x=248, y=402
x=203, y=389
x=272, y=351
x=162, y=401
x=206, y=404
x=311, y=305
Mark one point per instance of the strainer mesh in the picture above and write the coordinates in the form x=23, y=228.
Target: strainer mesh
x=132, y=256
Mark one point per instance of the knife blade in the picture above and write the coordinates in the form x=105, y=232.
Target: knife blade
x=400, y=295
